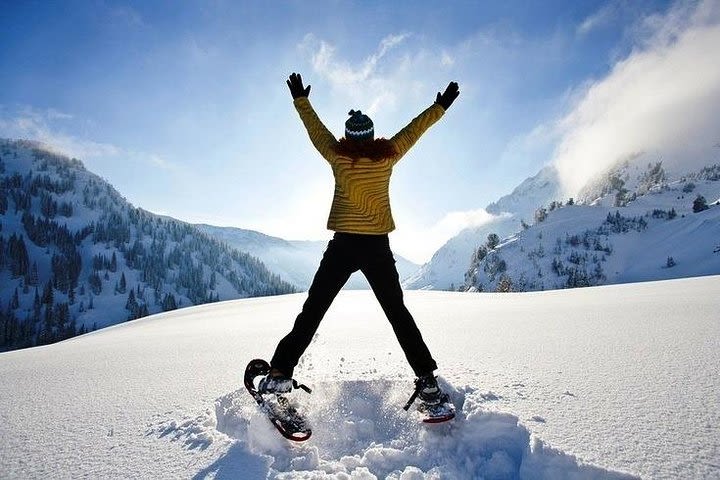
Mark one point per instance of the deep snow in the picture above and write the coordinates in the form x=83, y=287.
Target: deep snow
x=624, y=377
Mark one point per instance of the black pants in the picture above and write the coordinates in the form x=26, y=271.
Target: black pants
x=345, y=254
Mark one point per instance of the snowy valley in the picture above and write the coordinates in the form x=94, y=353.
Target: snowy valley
x=595, y=383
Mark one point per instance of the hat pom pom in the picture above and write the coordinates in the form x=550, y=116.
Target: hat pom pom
x=353, y=113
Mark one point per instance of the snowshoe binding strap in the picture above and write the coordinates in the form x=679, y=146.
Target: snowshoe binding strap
x=260, y=367
x=297, y=385
x=413, y=397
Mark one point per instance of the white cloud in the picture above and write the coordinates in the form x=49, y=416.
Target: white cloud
x=601, y=18
x=379, y=83
x=35, y=124
x=161, y=162
x=341, y=73
x=418, y=243
x=662, y=98
x=447, y=60
x=43, y=125
x=454, y=222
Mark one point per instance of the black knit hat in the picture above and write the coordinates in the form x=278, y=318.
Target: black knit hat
x=359, y=126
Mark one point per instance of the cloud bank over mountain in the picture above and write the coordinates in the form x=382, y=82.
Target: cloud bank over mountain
x=661, y=99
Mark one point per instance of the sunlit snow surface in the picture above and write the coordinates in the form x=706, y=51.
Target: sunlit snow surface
x=588, y=383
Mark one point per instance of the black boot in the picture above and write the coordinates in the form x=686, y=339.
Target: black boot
x=428, y=390
x=275, y=383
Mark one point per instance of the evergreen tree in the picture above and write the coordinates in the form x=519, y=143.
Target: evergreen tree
x=169, y=302
x=33, y=278
x=493, y=240
x=19, y=260
x=131, y=303
x=48, y=296
x=95, y=283
x=122, y=288
x=36, y=306
x=15, y=302
x=3, y=256
x=481, y=253
x=505, y=284
x=540, y=215
x=700, y=204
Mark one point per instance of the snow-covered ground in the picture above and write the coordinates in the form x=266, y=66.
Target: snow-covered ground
x=583, y=383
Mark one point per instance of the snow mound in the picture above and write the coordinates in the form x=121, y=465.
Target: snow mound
x=361, y=432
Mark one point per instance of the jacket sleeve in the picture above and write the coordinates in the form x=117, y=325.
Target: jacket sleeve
x=320, y=136
x=407, y=137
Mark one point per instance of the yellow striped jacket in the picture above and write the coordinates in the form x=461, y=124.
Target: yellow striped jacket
x=361, y=203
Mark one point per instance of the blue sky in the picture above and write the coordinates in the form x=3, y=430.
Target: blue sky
x=183, y=106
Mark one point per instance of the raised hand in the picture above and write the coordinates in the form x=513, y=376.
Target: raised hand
x=295, y=85
x=448, y=97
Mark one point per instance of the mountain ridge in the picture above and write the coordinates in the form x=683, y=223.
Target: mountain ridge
x=636, y=225
x=446, y=268
x=639, y=175
x=75, y=255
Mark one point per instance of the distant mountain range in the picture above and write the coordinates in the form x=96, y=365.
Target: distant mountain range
x=294, y=261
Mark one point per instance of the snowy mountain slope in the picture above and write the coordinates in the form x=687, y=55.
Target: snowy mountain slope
x=447, y=266
x=75, y=255
x=654, y=235
x=640, y=175
x=624, y=377
x=525, y=198
x=293, y=261
x=446, y=269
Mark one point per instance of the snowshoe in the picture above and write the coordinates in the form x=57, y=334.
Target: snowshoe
x=435, y=406
x=279, y=410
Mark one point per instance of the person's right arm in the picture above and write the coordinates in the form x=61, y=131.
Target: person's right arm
x=323, y=140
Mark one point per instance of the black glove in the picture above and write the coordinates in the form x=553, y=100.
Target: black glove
x=296, y=86
x=447, y=98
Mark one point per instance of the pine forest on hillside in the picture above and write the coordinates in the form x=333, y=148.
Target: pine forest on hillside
x=75, y=255
x=576, y=244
